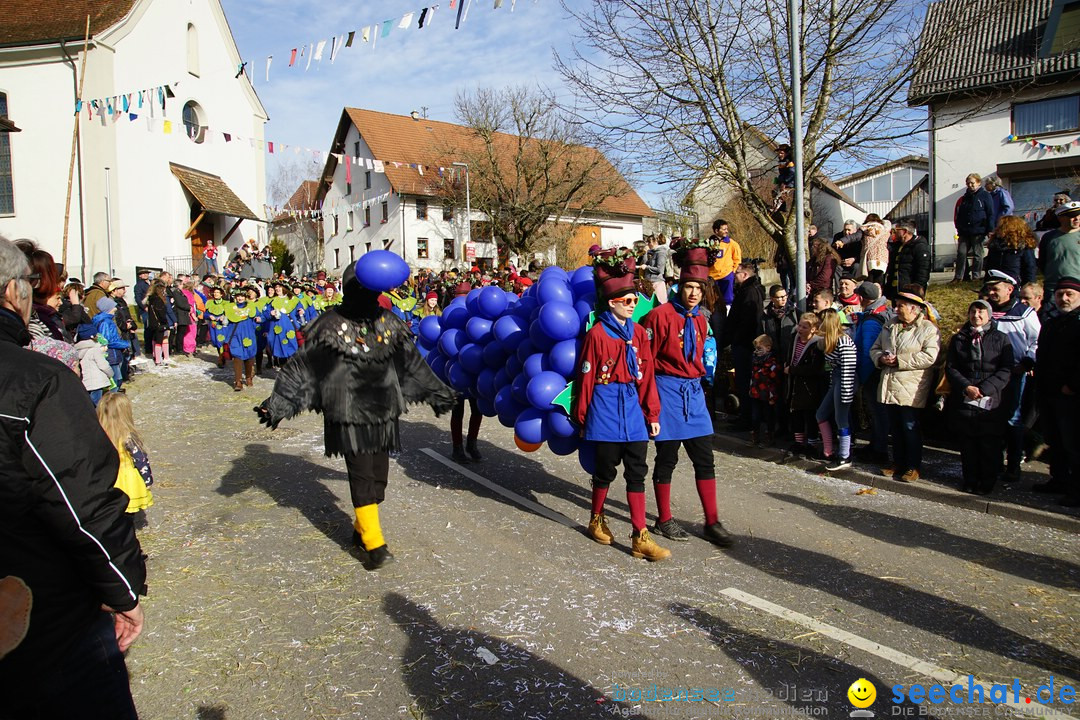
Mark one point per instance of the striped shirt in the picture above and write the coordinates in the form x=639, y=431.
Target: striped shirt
x=843, y=361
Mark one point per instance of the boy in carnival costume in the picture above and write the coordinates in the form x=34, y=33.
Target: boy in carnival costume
x=360, y=368
x=241, y=323
x=617, y=405
x=677, y=331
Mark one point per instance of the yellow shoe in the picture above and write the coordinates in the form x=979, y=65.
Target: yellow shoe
x=598, y=530
x=643, y=546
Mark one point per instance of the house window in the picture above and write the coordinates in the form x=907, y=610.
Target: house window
x=448, y=248
x=883, y=188
x=387, y=243
x=385, y=213
x=348, y=225
x=335, y=224
x=367, y=179
x=7, y=185
x=352, y=253
x=193, y=121
x=1055, y=115
x=421, y=209
x=421, y=248
x=192, y=50
x=356, y=149
x=367, y=216
x=864, y=191
x=337, y=257
x=447, y=212
x=348, y=189
x=369, y=247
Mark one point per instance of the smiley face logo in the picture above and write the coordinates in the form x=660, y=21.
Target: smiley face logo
x=862, y=693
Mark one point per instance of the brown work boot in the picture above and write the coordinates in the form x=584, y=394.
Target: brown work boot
x=643, y=546
x=910, y=476
x=598, y=530
x=250, y=367
x=887, y=472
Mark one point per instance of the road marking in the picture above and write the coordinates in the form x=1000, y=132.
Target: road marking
x=500, y=490
x=941, y=675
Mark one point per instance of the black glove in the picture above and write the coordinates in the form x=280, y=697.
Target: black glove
x=263, y=411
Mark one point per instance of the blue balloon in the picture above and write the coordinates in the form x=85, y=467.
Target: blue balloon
x=486, y=406
x=494, y=355
x=562, y=445
x=502, y=379
x=430, y=328
x=554, y=271
x=471, y=357
x=513, y=366
x=460, y=379
x=583, y=309
x=559, y=425
x=534, y=365
x=424, y=346
x=539, y=339
x=485, y=383
x=454, y=317
x=511, y=297
x=491, y=302
x=587, y=456
x=544, y=388
x=559, y=321
x=510, y=330
x=562, y=358
x=581, y=281
x=530, y=426
x=518, y=388
x=525, y=349
x=525, y=306
x=479, y=329
x=554, y=289
x=438, y=366
x=507, y=408
x=450, y=342
x=381, y=270
x=470, y=302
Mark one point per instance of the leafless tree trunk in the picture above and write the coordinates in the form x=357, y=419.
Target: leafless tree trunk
x=527, y=171
x=691, y=85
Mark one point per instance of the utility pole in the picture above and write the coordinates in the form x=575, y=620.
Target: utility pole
x=797, y=148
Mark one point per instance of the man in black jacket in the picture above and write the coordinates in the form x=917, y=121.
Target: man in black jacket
x=182, y=309
x=973, y=218
x=63, y=530
x=1057, y=367
x=142, y=289
x=744, y=323
x=909, y=263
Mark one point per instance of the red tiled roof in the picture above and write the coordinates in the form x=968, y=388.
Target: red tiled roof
x=34, y=22
x=426, y=142
x=212, y=192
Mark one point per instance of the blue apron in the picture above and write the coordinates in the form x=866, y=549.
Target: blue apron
x=615, y=415
x=683, y=414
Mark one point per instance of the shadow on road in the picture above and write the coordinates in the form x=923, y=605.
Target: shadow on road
x=943, y=617
x=447, y=676
x=796, y=675
x=914, y=533
x=292, y=482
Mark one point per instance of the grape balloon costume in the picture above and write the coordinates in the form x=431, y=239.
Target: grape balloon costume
x=360, y=368
x=617, y=400
x=677, y=331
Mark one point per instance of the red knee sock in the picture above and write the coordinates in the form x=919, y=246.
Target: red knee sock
x=706, y=490
x=663, y=501
x=636, y=501
x=599, y=495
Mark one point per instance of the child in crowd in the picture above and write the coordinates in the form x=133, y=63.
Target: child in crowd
x=97, y=374
x=134, y=478
x=804, y=369
x=105, y=323
x=835, y=406
x=764, y=390
x=785, y=177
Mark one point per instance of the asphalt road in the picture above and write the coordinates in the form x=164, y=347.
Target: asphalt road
x=257, y=609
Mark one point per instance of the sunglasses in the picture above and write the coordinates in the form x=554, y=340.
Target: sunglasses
x=625, y=301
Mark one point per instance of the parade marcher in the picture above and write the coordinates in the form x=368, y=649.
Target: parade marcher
x=677, y=331
x=617, y=404
x=1020, y=324
x=242, y=321
x=215, y=316
x=281, y=327
x=360, y=369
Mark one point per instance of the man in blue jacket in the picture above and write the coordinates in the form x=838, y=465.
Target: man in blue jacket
x=973, y=218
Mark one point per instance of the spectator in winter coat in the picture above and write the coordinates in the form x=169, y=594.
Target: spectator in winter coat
x=105, y=322
x=1049, y=220
x=849, y=244
x=95, y=292
x=1012, y=249
x=821, y=267
x=1002, y=199
x=1059, y=254
x=1020, y=324
x=978, y=365
x=875, y=248
x=868, y=324
x=910, y=264
x=973, y=218
x=906, y=351
x=743, y=324
x=96, y=372
x=655, y=262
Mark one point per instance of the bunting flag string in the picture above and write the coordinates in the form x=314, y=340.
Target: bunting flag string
x=1045, y=147
x=122, y=103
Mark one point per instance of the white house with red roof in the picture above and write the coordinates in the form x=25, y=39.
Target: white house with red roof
x=382, y=189
x=154, y=175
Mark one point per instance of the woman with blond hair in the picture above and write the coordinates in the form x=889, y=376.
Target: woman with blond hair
x=840, y=355
x=1012, y=250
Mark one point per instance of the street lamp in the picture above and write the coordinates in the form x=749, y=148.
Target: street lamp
x=468, y=202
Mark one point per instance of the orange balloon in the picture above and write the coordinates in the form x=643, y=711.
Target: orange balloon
x=526, y=447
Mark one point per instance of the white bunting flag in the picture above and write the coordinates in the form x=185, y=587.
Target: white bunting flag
x=406, y=21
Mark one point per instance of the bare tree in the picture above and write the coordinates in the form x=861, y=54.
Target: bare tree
x=291, y=191
x=692, y=85
x=527, y=172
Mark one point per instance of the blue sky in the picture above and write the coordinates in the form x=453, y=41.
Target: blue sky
x=405, y=71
